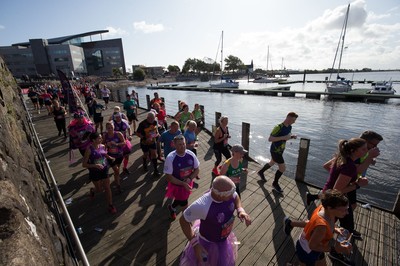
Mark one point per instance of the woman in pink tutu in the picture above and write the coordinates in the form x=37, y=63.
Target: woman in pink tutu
x=211, y=241
x=79, y=130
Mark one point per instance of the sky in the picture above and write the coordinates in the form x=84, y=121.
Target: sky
x=300, y=34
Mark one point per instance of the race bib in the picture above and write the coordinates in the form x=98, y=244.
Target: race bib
x=185, y=172
x=99, y=161
x=227, y=228
x=113, y=150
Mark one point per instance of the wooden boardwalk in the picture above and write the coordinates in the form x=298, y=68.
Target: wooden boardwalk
x=141, y=232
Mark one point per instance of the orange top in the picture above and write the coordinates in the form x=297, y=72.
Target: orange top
x=315, y=221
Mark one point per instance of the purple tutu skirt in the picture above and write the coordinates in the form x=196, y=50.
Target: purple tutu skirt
x=219, y=253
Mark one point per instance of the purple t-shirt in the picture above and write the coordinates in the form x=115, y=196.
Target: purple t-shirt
x=348, y=169
x=216, y=218
x=181, y=167
x=121, y=127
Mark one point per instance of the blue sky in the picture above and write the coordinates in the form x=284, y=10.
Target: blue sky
x=163, y=32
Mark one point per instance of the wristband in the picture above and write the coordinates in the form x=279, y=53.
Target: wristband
x=239, y=210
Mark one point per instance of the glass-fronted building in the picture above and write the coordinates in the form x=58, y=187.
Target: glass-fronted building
x=70, y=54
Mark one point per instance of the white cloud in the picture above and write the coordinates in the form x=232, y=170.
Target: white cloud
x=2, y=27
x=115, y=32
x=313, y=46
x=147, y=28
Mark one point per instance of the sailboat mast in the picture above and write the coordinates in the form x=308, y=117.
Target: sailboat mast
x=222, y=52
x=343, y=36
x=267, y=58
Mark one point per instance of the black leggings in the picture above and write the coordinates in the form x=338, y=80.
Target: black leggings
x=60, y=123
x=218, y=154
x=177, y=203
x=348, y=221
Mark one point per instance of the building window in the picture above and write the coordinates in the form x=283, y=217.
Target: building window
x=61, y=59
x=97, y=59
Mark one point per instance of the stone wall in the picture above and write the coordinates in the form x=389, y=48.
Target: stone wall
x=29, y=233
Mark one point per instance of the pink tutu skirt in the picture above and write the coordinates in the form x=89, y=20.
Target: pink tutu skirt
x=127, y=148
x=177, y=192
x=219, y=253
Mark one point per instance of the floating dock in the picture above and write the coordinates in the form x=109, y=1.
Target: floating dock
x=356, y=95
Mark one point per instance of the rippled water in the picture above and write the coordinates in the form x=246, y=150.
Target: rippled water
x=323, y=122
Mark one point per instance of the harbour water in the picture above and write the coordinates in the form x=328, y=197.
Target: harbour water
x=323, y=122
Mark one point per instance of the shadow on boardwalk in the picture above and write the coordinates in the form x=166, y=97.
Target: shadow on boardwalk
x=141, y=232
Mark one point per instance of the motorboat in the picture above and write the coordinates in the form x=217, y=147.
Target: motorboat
x=382, y=87
x=227, y=83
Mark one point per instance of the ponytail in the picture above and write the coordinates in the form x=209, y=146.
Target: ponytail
x=346, y=148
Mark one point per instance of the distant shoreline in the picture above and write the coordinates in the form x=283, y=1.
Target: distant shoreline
x=118, y=84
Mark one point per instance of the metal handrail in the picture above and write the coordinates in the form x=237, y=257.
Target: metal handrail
x=60, y=200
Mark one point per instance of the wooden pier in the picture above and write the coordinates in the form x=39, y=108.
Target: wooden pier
x=356, y=95
x=141, y=232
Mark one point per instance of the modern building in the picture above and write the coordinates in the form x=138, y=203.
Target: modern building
x=70, y=54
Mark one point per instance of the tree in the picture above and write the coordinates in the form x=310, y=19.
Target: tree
x=189, y=65
x=116, y=71
x=173, y=69
x=139, y=74
x=233, y=63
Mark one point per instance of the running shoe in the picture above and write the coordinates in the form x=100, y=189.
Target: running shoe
x=357, y=235
x=172, y=212
x=215, y=171
x=287, y=225
x=112, y=209
x=277, y=188
x=160, y=159
x=126, y=171
x=334, y=256
x=262, y=176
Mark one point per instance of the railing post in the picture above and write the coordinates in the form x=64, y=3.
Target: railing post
x=246, y=136
x=119, y=95
x=396, y=207
x=203, y=119
x=148, y=102
x=217, y=117
x=302, y=159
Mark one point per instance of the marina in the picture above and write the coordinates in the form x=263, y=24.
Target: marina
x=360, y=95
x=323, y=122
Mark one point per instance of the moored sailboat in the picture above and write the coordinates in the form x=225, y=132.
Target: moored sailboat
x=225, y=83
x=341, y=84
